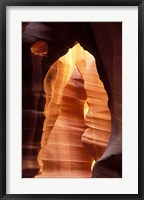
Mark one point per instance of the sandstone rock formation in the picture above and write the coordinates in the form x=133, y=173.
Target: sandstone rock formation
x=33, y=101
x=104, y=42
x=77, y=125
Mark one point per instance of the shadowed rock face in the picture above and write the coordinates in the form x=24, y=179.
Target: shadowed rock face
x=103, y=41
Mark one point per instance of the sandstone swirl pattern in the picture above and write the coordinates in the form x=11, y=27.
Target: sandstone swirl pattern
x=77, y=122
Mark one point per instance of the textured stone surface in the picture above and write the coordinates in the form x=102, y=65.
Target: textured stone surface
x=74, y=134
x=33, y=101
x=64, y=154
x=104, y=42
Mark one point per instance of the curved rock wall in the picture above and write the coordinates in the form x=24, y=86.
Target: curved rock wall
x=104, y=42
x=73, y=134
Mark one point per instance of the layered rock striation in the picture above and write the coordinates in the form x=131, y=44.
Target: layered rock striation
x=104, y=41
x=77, y=126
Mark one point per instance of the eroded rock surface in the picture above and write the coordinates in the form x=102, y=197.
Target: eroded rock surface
x=77, y=126
x=104, y=41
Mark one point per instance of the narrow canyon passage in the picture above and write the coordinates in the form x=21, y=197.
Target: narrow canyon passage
x=49, y=60
x=77, y=122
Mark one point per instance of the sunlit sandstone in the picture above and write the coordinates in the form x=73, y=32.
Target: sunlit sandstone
x=77, y=127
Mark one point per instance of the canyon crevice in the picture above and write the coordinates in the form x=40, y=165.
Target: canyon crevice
x=77, y=125
x=72, y=99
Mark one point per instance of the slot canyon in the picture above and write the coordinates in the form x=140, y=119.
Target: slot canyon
x=71, y=100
